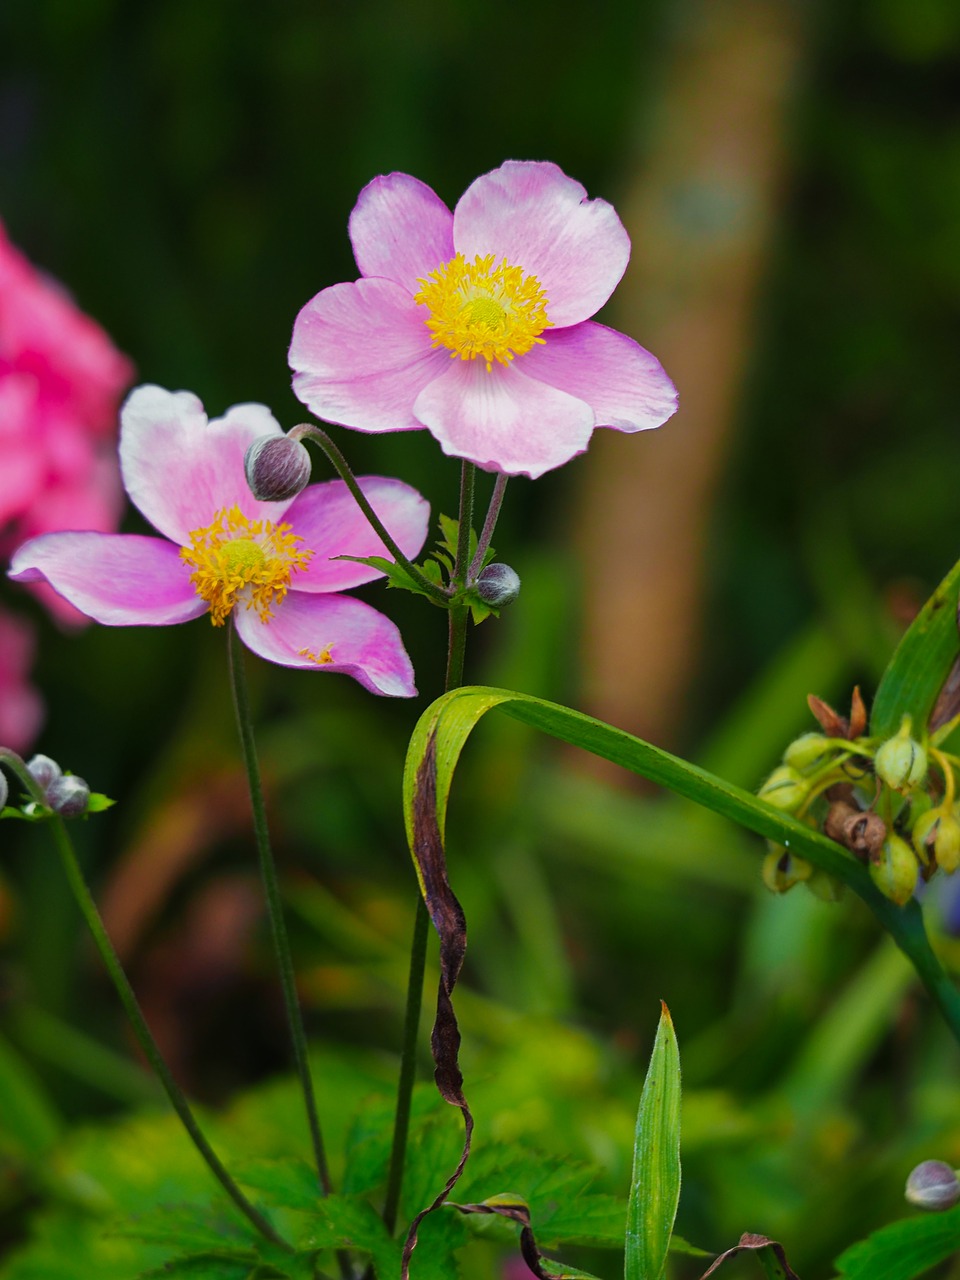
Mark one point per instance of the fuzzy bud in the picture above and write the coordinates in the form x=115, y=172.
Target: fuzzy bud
x=932, y=1185
x=901, y=762
x=43, y=770
x=68, y=795
x=894, y=870
x=4, y=789
x=782, y=870
x=277, y=468
x=807, y=751
x=785, y=789
x=498, y=585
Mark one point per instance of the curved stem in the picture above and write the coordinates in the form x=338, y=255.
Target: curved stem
x=489, y=525
x=342, y=468
x=132, y=1009
x=278, y=929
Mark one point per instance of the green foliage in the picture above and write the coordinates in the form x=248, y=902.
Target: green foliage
x=903, y=1249
x=655, y=1185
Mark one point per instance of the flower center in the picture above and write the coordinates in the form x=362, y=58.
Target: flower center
x=477, y=309
x=238, y=559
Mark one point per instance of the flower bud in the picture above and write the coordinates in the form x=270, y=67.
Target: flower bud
x=894, y=870
x=932, y=1185
x=807, y=751
x=68, y=795
x=901, y=762
x=4, y=789
x=824, y=886
x=785, y=789
x=782, y=870
x=277, y=468
x=43, y=770
x=498, y=585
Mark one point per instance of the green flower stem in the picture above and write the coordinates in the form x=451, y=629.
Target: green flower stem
x=456, y=651
x=132, y=1009
x=268, y=872
x=342, y=468
x=489, y=525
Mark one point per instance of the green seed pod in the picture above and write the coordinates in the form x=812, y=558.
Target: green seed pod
x=807, y=751
x=901, y=762
x=946, y=846
x=894, y=870
x=782, y=870
x=785, y=789
x=932, y=1185
x=923, y=833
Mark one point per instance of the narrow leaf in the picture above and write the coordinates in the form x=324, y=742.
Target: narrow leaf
x=655, y=1186
x=903, y=1249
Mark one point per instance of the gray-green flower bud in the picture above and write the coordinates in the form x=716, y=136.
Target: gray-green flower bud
x=277, y=468
x=901, y=762
x=894, y=870
x=43, y=770
x=932, y=1185
x=498, y=585
x=68, y=795
x=785, y=789
x=4, y=789
x=808, y=750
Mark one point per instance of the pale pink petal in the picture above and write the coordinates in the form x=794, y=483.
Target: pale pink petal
x=180, y=469
x=532, y=214
x=328, y=519
x=120, y=580
x=502, y=420
x=624, y=384
x=357, y=640
x=361, y=354
x=400, y=229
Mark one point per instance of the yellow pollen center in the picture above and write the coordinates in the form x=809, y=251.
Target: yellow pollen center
x=477, y=309
x=236, y=559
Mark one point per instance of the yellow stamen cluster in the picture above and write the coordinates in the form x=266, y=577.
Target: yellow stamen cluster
x=322, y=659
x=479, y=310
x=238, y=559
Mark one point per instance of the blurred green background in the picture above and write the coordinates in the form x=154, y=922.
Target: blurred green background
x=790, y=176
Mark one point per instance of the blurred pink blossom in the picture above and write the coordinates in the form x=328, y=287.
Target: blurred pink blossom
x=21, y=710
x=61, y=380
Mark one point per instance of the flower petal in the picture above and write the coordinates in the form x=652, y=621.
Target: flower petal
x=623, y=383
x=361, y=354
x=358, y=641
x=118, y=579
x=328, y=519
x=180, y=469
x=532, y=214
x=502, y=420
x=400, y=229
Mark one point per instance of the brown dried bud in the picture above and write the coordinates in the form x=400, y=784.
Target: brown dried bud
x=840, y=813
x=864, y=834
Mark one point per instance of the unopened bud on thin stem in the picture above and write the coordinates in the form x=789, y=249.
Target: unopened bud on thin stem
x=894, y=870
x=68, y=795
x=498, y=585
x=901, y=762
x=785, y=789
x=807, y=751
x=277, y=468
x=43, y=770
x=932, y=1185
x=4, y=789
x=782, y=870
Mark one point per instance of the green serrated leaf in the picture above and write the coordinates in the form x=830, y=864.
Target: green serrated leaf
x=205, y=1265
x=903, y=1249
x=206, y=1228
x=98, y=802
x=287, y=1184
x=655, y=1186
x=921, y=662
x=479, y=609
x=340, y=1221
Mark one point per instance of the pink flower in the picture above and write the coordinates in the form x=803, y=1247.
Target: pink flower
x=507, y=283
x=21, y=711
x=60, y=383
x=268, y=564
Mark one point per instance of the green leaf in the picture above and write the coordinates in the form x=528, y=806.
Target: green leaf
x=207, y=1265
x=340, y=1221
x=903, y=1249
x=395, y=574
x=655, y=1186
x=442, y=730
x=210, y=1228
x=921, y=662
x=29, y=1125
x=287, y=1184
x=98, y=802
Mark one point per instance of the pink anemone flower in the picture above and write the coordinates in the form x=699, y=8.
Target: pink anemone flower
x=267, y=565
x=476, y=324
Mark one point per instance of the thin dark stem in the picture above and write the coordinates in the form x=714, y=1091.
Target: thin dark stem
x=408, y=1063
x=278, y=929
x=342, y=468
x=456, y=650
x=132, y=1009
x=489, y=525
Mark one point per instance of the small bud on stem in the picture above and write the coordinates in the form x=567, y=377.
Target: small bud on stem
x=277, y=468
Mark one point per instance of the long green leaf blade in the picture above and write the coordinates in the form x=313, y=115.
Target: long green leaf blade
x=655, y=1186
